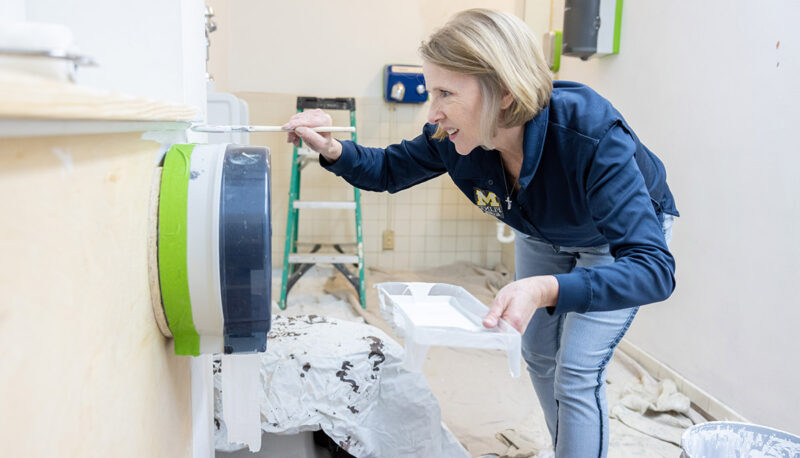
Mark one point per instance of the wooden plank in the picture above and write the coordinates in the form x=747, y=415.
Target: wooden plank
x=76, y=314
x=25, y=97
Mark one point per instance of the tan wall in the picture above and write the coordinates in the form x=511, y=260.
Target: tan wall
x=328, y=48
x=85, y=371
x=268, y=54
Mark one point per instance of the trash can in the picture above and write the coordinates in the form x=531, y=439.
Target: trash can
x=722, y=439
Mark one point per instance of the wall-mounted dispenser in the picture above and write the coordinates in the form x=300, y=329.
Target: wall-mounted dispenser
x=210, y=248
x=591, y=27
x=404, y=84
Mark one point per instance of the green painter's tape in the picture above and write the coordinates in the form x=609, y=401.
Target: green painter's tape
x=617, y=26
x=559, y=41
x=172, y=268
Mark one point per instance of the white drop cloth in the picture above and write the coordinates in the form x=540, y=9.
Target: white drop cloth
x=347, y=379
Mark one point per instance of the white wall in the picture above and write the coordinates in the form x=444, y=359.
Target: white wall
x=709, y=89
x=147, y=48
x=13, y=10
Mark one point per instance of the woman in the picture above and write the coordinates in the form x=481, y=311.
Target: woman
x=555, y=161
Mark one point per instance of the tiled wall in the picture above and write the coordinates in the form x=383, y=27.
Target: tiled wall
x=434, y=223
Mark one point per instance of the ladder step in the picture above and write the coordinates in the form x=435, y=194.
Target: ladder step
x=312, y=244
x=344, y=258
x=346, y=205
x=315, y=258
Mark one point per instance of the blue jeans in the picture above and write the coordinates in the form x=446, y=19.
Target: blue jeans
x=567, y=354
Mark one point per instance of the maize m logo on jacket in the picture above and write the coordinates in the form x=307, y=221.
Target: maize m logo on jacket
x=488, y=202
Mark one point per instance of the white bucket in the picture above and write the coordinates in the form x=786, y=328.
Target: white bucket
x=723, y=439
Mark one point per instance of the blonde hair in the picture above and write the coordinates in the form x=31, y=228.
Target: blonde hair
x=504, y=55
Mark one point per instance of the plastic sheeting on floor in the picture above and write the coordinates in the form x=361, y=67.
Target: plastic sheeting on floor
x=347, y=379
x=477, y=414
x=479, y=401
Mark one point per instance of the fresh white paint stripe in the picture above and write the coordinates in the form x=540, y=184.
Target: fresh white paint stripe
x=202, y=406
x=241, y=405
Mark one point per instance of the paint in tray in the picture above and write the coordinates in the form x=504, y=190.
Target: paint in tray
x=427, y=314
x=435, y=311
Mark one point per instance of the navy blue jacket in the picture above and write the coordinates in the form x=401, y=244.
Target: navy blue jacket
x=586, y=180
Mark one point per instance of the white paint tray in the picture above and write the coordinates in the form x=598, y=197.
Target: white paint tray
x=428, y=314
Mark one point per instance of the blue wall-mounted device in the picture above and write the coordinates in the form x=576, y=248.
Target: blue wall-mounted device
x=404, y=84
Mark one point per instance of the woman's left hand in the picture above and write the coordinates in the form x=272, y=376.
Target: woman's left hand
x=517, y=301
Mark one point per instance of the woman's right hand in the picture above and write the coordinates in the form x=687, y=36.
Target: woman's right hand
x=300, y=126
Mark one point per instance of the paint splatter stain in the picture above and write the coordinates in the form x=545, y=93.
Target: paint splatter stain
x=315, y=319
x=289, y=334
x=376, y=350
x=280, y=329
x=346, y=366
x=306, y=367
x=352, y=409
x=346, y=444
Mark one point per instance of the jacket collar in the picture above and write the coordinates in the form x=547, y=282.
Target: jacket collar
x=532, y=146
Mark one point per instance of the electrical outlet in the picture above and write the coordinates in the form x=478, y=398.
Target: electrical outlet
x=388, y=240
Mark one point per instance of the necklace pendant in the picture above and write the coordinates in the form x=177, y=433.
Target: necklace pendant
x=508, y=201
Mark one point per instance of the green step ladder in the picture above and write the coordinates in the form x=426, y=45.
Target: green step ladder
x=295, y=264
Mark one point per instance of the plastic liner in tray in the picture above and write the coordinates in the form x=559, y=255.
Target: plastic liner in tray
x=426, y=314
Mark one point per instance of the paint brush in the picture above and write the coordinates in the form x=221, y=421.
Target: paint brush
x=224, y=129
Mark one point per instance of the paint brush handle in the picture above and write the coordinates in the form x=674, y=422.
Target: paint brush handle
x=224, y=129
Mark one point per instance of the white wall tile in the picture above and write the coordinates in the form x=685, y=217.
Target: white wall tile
x=464, y=228
x=417, y=228
x=432, y=212
x=449, y=227
x=401, y=260
x=402, y=243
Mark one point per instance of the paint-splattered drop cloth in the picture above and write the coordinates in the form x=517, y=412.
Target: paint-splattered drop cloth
x=347, y=379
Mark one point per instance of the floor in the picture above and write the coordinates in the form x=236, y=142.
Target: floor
x=479, y=400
